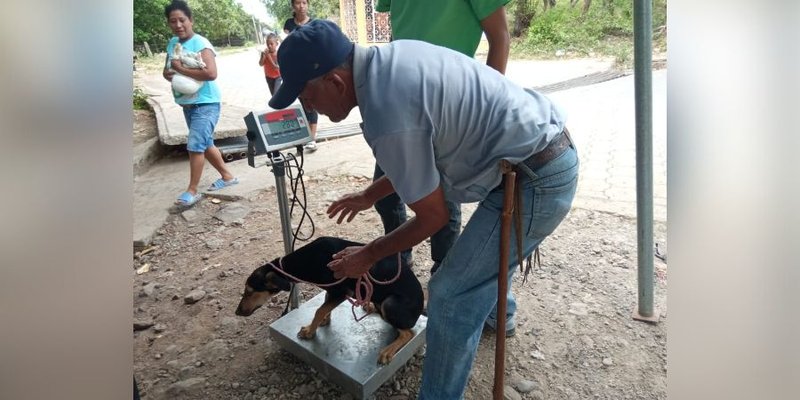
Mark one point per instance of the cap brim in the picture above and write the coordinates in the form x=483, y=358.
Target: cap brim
x=286, y=95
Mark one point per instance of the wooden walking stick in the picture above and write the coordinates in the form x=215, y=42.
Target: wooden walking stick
x=509, y=178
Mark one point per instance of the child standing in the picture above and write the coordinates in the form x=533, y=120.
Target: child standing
x=269, y=60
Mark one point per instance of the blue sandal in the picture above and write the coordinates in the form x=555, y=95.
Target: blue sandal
x=187, y=200
x=222, y=184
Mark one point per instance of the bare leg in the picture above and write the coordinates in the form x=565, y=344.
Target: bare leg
x=196, y=162
x=214, y=157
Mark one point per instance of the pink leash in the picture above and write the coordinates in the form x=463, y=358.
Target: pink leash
x=364, y=282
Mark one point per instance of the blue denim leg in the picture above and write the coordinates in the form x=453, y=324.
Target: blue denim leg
x=201, y=120
x=392, y=212
x=464, y=290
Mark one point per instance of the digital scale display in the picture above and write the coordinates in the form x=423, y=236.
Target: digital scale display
x=282, y=124
x=275, y=130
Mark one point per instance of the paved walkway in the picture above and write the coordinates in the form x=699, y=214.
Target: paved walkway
x=601, y=120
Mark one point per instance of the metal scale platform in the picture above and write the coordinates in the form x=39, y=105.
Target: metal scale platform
x=346, y=351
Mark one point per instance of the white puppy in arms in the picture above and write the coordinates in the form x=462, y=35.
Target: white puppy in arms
x=181, y=83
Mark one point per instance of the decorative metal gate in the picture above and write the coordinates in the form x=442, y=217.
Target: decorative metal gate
x=347, y=9
x=362, y=24
x=379, y=29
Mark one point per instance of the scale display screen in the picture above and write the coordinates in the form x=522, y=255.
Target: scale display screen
x=283, y=123
x=280, y=129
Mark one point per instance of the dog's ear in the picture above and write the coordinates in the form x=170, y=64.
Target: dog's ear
x=278, y=281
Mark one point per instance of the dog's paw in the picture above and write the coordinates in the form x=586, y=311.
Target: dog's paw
x=386, y=356
x=306, y=332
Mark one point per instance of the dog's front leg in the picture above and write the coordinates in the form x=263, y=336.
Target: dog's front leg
x=403, y=337
x=322, y=315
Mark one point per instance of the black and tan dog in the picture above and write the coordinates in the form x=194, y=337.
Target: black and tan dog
x=399, y=303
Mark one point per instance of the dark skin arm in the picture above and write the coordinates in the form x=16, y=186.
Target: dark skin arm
x=168, y=73
x=209, y=73
x=431, y=215
x=496, y=28
x=351, y=204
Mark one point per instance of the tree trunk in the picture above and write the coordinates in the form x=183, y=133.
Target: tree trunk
x=523, y=15
x=548, y=4
x=572, y=3
x=586, y=4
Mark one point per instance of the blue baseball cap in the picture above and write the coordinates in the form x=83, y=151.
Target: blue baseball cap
x=313, y=50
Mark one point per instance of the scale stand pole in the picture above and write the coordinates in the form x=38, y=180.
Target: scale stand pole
x=279, y=170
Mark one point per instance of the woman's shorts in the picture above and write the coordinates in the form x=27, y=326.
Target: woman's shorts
x=201, y=119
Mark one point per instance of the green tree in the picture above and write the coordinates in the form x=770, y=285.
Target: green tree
x=218, y=20
x=149, y=24
x=282, y=10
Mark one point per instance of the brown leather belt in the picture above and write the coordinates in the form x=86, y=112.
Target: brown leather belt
x=555, y=148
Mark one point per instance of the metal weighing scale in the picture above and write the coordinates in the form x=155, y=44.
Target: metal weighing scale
x=346, y=351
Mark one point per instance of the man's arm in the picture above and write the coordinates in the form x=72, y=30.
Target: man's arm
x=496, y=28
x=431, y=215
x=351, y=204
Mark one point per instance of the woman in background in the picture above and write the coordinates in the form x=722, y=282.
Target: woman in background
x=300, y=18
x=201, y=108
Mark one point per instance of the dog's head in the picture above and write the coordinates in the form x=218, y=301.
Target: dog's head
x=262, y=284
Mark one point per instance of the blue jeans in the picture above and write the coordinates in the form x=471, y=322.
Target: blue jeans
x=201, y=120
x=464, y=290
x=393, y=214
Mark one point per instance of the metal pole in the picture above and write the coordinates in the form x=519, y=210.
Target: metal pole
x=279, y=170
x=255, y=29
x=642, y=48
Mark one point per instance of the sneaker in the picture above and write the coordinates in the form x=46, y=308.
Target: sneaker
x=509, y=333
x=310, y=146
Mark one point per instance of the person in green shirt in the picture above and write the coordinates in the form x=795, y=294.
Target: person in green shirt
x=457, y=25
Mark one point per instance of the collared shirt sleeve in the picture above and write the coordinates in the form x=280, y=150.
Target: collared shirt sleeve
x=407, y=159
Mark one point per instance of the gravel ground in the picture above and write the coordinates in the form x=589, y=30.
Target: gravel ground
x=575, y=335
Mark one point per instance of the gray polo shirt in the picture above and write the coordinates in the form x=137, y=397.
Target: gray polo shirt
x=433, y=116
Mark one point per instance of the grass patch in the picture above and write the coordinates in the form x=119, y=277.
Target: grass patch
x=606, y=30
x=140, y=99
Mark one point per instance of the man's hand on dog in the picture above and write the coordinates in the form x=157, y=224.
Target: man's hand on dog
x=349, y=206
x=351, y=262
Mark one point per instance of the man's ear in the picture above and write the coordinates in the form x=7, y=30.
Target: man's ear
x=338, y=82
